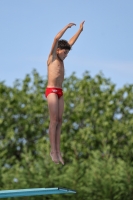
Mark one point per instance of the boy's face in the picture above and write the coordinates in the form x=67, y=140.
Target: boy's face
x=62, y=53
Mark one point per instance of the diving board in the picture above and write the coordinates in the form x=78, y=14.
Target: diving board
x=34, y=192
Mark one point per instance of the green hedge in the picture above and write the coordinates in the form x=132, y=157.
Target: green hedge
x=96, y=139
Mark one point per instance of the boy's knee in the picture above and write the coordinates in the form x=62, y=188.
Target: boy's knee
x=56, y=121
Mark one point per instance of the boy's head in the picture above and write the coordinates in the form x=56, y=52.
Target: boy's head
x=63, y=49
x=63, y=44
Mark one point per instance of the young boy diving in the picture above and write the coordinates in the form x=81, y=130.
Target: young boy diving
x=54, y=91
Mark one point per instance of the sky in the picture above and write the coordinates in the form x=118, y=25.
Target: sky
x=28, y=27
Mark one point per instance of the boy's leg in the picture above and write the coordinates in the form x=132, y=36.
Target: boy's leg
x=58, y=132
x=53, y=103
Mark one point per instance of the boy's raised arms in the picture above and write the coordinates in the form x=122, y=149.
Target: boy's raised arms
x=74, y=38
x=57, y=37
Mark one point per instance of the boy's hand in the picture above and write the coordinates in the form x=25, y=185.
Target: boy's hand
x=70, y=25
x=81, y=26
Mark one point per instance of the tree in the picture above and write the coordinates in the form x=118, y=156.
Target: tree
x=96, y=140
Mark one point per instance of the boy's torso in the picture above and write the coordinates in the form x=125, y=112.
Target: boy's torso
x=55, y=74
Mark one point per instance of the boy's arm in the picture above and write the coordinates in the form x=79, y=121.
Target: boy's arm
x=75, y=37
x=57, y=37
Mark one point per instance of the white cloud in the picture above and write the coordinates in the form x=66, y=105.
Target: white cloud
x=36, y=58
x=98, y=65
x=119, y=68
x=120, y=72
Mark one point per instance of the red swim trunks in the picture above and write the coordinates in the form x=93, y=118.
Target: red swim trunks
x=57, y=91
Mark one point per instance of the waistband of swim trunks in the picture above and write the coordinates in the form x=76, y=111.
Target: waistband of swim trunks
x=54, y=88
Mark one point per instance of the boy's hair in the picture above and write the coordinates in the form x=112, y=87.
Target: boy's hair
x=63, y=44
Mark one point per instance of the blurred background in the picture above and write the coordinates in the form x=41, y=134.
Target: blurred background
x=27, y=30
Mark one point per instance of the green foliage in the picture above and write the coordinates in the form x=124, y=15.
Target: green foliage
x=23, y=117
x=96, y=140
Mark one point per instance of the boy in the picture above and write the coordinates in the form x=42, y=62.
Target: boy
x=54, y=92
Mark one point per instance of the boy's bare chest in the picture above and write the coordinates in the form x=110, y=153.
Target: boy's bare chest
x=56, y=68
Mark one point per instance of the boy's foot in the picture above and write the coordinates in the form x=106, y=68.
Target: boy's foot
x=54, y=157
x=60, y=157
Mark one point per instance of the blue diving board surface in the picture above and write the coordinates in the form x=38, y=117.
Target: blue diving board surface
x=34, y=192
